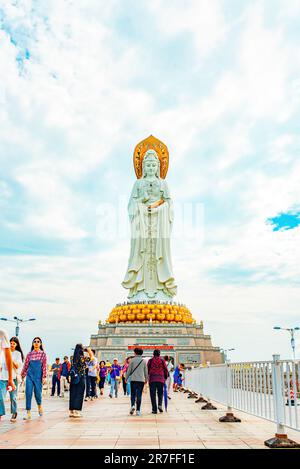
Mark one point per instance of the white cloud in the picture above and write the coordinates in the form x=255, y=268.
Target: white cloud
x=282, y=148
x=263, y=60
x=52, y=206
x=5, y=191
x=203, y=20
x=236, y=145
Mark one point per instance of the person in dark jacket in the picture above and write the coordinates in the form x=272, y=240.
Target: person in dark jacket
x=56, y=377
x=77, y=380
x=63, y=376
x=158, y=373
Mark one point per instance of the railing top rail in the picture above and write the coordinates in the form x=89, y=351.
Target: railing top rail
x=208, y=366
x=257, y=362
x=289, y=361
x=251, y=363
x=265, y=361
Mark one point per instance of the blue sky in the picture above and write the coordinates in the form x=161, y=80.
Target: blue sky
x=80, y=84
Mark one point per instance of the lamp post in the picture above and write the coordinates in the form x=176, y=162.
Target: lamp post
x=17, y=321
x=291, y=330
x=224, y=351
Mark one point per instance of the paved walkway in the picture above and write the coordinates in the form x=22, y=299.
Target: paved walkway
x=107, y=424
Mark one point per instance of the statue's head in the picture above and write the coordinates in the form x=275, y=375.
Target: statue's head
x=151, y=164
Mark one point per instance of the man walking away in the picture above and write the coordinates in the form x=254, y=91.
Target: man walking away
x=55, y=378
x=137, y=374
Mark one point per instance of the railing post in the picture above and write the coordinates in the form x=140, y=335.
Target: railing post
x=281, y=439
x=208, y=405
x=278, y=398
x=229, y=417
x=200, y=396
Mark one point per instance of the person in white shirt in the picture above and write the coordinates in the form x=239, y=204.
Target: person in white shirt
x=7, y=361
x=92, y=377
x=169, y=379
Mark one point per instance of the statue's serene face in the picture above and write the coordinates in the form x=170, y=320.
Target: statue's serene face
x=151, y=167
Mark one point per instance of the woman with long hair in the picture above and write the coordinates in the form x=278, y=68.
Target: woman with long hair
x=35, y=371
x=77, y=380
x=17, y=362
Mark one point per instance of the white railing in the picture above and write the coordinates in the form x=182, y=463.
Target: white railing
x=268, y=389
x=210, y=382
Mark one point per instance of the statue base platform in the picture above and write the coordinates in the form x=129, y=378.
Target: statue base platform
x=167, y=326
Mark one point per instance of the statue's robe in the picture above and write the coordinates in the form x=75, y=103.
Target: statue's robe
x=150, y=267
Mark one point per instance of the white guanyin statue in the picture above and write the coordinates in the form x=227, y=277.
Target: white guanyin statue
x=149, y=274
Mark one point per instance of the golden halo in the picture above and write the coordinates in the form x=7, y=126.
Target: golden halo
x=161, y=151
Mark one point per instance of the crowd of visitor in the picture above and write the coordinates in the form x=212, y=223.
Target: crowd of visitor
x=82, y=375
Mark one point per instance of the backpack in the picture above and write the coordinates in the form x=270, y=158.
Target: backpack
x=165, y=369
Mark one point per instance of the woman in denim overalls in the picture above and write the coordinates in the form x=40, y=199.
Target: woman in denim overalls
x=35, y=370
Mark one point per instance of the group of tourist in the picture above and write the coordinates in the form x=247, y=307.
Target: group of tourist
x=157, y=372
x=60, y=373
x=81, y=375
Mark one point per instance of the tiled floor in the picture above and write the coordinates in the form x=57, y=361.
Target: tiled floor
x=106, y=423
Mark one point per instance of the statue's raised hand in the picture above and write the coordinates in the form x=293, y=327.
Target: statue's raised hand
x=156, y=204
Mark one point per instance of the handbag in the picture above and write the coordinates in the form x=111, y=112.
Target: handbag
x=74, y=376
